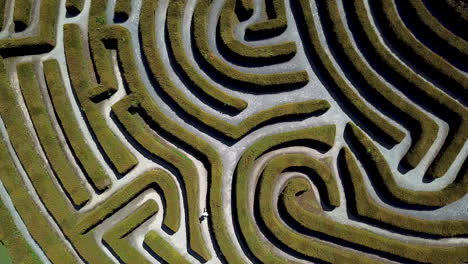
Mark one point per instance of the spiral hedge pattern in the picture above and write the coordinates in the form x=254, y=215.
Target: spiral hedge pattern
x=233, y=131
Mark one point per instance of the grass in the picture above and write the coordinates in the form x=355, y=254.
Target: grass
x=4, y=257
x=53, y=149
x=69, y=125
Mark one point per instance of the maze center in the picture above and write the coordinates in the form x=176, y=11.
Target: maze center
x=233, y=131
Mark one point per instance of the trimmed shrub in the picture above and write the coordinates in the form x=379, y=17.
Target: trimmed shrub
x=66, y=175
x=258, y=83
x=84, y=156
x=324, y=135
x=43, y=42
x=274, y=26
x=80, y=71
x=352, y=103
x=385, y=183
x=416, y=88
x=239, y=53
x=163, y=249
x=116, y=236
x=43, y=182
x=22, y=14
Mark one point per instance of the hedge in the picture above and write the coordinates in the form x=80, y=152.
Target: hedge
x=263, y=253
x=351, y=236
x=243, y=54
x=43, y=42
x=22, y=14
x=433, y=34
x=3, y=6
x=422, y=128
x=285, y=111
x=116, y=236
x=214, y=96
x=12, y=239
x=163, y=249
x=122, y=10
x=416, y=88
x=344, y=94
x=247, y=82
x=67, y=120
x=325, y=182
x=204, y=152
x=66, y=174
x=384, y=180
x=422, y=59
x=363, y=206
x=74, y=7
x=276, y=23
x=37, y=224
x=80, y=75
x=157, y=180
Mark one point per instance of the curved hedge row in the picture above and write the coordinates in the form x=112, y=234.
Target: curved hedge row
x=218, y=69
x=239, y=53
x=219, y=125
x=418, y=56
x=274, y=26
x=63, y=169
x=413, y=86
x=163, y=249
x=385, y=182
x=69, y=124
x=116, y=236
x=184, y=68
x=363, y=206
x=244, y=221
x=79, y=69
x=348, y=99
x=45, y=39
x=423, y=129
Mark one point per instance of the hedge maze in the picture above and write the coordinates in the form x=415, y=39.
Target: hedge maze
x=233, y=131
